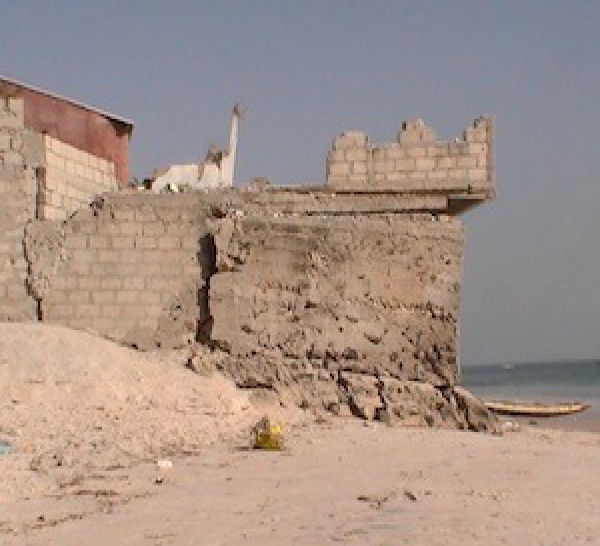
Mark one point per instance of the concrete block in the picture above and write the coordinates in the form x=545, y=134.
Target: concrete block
x=85, y=311
x=447, y=163
x=336, y=155
x=76, y=240
x=103, y=297
x=109, y=228
x=121, y=242
x=424, y=164
x=106, y=256
x=12, y=158
x=437, y=174
x=339, y=169
x=467, y=162
x=416, y=151
x=79, y=296
x=149, y=297
x=168, y=243
x=131, y=228
x=153, y=228
x=404, y=164
x=359, y=167
x=111, y=283
x=134, y=283
x=356, y=154
x=477, y=174
x=99, y=242
x=476, y=148
x=5, y=141
x=350, y=139
x=457, y=174
x=437, y=150
x=127, y=296
x=87, y=283
x=459, y=148
x=190, y=242
x=152, y=262
x=132, y=256
x=145, y=214
x=384, y=166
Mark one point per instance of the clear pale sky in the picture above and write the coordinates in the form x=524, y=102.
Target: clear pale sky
x=307, y=70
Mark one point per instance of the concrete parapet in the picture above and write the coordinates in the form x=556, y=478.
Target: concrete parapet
x=461, y=169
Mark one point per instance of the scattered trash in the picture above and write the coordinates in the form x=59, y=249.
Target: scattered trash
x=5, y=447
x=164, y=464
x=410, y=495
x=376, y=501
x=267, y=436
x=510, y=426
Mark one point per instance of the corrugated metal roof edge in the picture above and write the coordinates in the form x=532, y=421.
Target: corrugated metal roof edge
x=103, y=113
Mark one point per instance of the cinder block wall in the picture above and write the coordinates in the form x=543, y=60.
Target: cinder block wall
x=72, y=178
x=416, y=162
x=131, y=267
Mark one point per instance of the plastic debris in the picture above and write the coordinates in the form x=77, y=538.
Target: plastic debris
x=266, y=435
x=5, y=447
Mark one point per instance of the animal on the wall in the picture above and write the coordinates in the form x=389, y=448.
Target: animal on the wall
x=216, y=171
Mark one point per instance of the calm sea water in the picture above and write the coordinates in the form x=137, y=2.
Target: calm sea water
x=564, y=381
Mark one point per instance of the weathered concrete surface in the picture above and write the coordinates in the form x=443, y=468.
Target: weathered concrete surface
x=345, y=313
x=17, y=206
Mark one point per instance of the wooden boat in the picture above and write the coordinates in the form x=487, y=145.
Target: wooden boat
x=535, y=409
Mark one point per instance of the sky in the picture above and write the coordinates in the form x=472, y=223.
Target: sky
x=307, y=70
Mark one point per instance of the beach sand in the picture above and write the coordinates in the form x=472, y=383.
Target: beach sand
x=85, y=467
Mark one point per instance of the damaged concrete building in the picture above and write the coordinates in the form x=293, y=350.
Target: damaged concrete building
x=342, y=296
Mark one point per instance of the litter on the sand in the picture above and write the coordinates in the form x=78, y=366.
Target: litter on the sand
x=5, y=447
x=266, y=435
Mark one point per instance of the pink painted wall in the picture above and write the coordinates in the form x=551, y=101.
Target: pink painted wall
x=79, y=127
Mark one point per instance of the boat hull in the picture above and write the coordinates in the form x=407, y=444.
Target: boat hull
x=535, y=409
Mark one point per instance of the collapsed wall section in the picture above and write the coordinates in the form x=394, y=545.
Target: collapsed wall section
x=127, y=268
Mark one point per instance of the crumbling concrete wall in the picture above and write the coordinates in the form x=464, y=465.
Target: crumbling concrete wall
x=417, y=162
x=17, y=207
x=130, y=267
x=349, y=313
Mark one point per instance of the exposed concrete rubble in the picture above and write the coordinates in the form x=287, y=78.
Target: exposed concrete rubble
x=345, y=313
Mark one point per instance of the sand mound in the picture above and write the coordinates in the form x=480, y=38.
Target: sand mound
x=71, y=403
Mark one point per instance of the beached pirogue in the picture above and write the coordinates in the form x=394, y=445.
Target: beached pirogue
x=535, y=409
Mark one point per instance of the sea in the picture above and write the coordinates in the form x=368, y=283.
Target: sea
x=555, y=381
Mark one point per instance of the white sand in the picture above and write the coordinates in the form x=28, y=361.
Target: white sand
x=338, y=481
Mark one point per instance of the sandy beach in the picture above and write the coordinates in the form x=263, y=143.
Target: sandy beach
x=171, y=465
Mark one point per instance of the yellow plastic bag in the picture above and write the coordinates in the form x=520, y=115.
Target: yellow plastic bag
x=267, y=436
